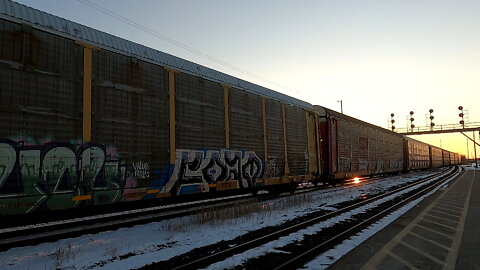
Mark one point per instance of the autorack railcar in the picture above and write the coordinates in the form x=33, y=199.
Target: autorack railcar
x=417, y=154
x=351, y=147
x=92, y=119
x=435, y=157
x=89, y=118
x=446, y=157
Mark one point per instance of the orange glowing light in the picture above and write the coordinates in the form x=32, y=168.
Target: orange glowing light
x=356, y=180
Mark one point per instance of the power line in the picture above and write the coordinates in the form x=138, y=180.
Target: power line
x=176, y=43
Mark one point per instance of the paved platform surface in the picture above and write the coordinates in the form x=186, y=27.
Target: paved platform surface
x=442, y=232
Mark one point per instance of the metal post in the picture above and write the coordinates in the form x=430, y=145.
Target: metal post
x=341, y=105
x=475, y=150
x=468, y=154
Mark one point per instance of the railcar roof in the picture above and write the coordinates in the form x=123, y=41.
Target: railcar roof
x=355, y=120
x=51, y=23
x=344, y=116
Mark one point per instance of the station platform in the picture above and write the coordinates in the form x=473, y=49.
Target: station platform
x=441, y=232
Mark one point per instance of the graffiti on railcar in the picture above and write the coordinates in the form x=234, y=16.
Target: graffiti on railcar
x=141, y=170
x=214, y=166
x=50, y=175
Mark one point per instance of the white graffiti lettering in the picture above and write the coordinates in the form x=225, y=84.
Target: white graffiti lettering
x=213, y=166
x=141, y=170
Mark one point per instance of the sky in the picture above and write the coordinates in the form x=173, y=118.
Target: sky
x=378, y=57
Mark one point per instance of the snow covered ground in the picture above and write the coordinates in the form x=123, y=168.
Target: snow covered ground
x=133, y=247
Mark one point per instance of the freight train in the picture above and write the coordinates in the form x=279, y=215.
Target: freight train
x=89, y=119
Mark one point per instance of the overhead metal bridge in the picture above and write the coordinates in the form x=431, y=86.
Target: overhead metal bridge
x=449, y=128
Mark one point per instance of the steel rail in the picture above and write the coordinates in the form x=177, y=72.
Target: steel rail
x=58, y=229
x=221, y=255
x=33, y=234
x=307, y=256
x=54, y=230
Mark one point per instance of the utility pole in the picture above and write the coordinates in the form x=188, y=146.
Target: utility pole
x=341, y=105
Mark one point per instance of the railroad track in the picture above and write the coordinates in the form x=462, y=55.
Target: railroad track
x=58, y=229
x=49, y=231
x=359, y=223
x=296, y=254
x=54, y=230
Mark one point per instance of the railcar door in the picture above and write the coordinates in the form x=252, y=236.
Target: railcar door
x=328, y=135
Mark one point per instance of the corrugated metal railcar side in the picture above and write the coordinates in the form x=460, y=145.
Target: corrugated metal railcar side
x=297, y=141
x=446, y=157
x=40, y=113
x=357, y=148
x=436, y=160
x=453, y=158
x=290, y=143
x=418, y=154
x=246, y=121
x=130, y=118
x=98, y=119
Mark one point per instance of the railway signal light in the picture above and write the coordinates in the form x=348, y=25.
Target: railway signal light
x=392, y=121
x=411, y=120
x=431, y=119
x=462, y=122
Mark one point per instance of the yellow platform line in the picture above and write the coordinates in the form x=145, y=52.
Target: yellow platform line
x=430, y=257
x=447, y=209
x=439, y=224
x=435, y=231
x=458, y=201
x=400, y=259
x=433, y=216
x=436, y=211
x=430, y=241
x=450, y=206
x=449, y=203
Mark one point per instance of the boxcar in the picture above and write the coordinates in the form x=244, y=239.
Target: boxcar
x=89, y=118
x=351, y=147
